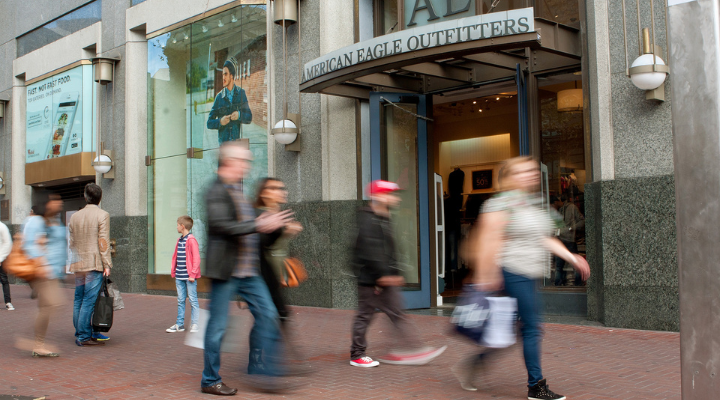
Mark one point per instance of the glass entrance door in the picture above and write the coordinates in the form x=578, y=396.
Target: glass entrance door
x=399, y=153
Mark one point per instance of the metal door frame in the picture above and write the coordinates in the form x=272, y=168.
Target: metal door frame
x=413, y=298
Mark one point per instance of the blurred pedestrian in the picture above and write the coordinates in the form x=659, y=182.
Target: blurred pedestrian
x=572, y=220
x=271, y=195
x=89, y=231
x=515, y=236
x=379, y=282
x=5, y=247
x=233, y=262
x=45, y=240
x=185, y=269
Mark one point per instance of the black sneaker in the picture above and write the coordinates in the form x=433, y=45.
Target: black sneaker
x=540, y=391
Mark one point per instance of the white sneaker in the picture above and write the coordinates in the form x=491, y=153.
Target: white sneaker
x=9, y=307
x=175, y=328
x=365, y=362
x=194, y=328
x=421, y=357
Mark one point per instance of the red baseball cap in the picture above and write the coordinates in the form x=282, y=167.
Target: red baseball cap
x=379, y=186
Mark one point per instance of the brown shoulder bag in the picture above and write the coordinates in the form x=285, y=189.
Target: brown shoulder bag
x=18, y=264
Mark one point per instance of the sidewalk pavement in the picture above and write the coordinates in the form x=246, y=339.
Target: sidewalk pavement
x=141, y=361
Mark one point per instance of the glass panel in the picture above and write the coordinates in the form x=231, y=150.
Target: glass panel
x=563, y=153
x=400, y=164
x=60, y=27
x=207, y=85
x=486, y=6
x=169, y=201
x=561, y=11
x=136, y=2
x=388, y=20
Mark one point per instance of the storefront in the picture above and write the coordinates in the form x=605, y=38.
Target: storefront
x=449, y=99
x=433, y=94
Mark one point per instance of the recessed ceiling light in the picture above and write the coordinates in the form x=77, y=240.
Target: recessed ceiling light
x=497, y=98
x=480, y=110
x=474, y=102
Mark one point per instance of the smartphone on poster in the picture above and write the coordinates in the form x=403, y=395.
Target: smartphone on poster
x=62, y=124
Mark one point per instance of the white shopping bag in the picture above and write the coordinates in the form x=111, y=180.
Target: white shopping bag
x=236, y=333
x=500, y=326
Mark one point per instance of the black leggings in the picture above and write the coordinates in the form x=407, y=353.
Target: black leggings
x=5, y=284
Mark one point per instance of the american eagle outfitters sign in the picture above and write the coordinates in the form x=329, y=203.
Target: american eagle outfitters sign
x=434, y=35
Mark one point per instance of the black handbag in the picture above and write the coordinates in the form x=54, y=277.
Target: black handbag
x=102, y=318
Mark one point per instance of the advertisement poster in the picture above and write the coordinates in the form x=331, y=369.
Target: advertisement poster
x=59, y=115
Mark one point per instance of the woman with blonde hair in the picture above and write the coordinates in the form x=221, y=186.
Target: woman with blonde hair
x=514, y=236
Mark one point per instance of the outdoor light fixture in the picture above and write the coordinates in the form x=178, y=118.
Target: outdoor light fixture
x=104, y=69
x=287, y=130
x=2, y=108
x=648, y=72
x=104, y=164
x=2, y=184
x=570, y=100
x=286, y=12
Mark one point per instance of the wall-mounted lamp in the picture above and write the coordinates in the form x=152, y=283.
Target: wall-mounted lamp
x=2, y=108
x=2, y=183
x=287, y=130
x=648, y=72
x=104, y=163
x=104, y=69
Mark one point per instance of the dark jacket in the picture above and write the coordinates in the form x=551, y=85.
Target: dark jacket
x=223, y=232
x=374, y=254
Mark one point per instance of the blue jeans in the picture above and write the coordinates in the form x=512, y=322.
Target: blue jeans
x=265, y=344
x=87, y=288
x=528, y=302
x=185, y=289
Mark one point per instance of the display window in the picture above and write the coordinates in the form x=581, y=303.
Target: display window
x=563, y=154
x=207, y=84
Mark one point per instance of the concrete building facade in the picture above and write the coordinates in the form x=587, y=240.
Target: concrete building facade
x=411, y=113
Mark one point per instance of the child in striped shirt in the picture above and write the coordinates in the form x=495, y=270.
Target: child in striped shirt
x=186, y=271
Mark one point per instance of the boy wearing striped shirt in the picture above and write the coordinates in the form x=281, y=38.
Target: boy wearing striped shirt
x=186, y=271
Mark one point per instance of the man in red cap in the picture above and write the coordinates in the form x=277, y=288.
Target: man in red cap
x=379, y=281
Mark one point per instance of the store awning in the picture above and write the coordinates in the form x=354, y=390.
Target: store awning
x=546, y=47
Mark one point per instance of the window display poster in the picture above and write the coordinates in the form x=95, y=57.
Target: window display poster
x=59, y=115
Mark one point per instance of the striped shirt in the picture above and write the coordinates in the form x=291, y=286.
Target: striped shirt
x=181, y=272
x=523, y=251
x=248, y=260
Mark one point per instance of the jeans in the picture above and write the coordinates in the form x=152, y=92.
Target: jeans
x=560, y=278
x=87, y=288
x=528, y=302
x=5, y=284
x=265, y=341
x=186, y=289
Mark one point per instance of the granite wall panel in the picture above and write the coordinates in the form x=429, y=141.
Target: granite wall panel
x=130, y=264
x=632, y=250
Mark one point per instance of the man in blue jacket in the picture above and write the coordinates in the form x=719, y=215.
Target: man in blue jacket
x=231, y=108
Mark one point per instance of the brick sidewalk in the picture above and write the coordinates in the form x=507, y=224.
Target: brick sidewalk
x=141, y=361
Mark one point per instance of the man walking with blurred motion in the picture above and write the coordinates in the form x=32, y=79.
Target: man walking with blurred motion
x=233, y=262
x=379, y=282
x=89, y=231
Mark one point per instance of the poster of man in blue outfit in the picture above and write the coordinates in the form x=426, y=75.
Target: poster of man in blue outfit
x=230, y=109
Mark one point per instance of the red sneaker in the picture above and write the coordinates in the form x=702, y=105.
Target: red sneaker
x=365, y=362
x=418, y=358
